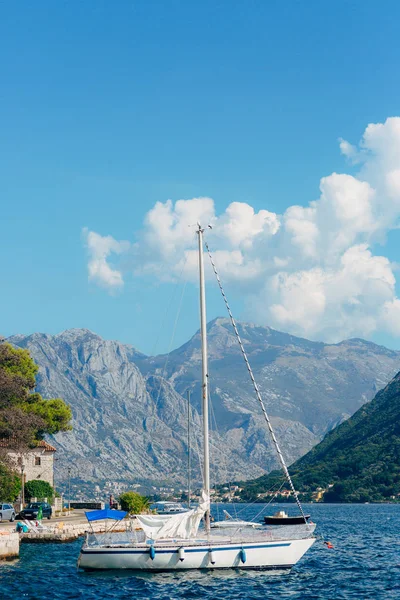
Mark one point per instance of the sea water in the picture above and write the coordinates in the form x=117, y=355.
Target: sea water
x=364, y=564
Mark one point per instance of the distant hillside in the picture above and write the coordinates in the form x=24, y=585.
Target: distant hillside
x=360, y=457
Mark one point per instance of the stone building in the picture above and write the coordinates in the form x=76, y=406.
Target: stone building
x=36, y=463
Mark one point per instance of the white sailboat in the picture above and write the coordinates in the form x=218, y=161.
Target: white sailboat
x=177, y=543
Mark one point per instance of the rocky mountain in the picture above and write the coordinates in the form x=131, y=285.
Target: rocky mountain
x=315, y=384
x=130, y=416
x=358, y=461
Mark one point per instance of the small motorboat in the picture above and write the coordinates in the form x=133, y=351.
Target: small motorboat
x=230, y=522
x=234, y=524
x=168, y=508
x=281, y=518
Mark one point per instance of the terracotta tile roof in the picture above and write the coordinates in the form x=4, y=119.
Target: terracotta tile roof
x=48, y=447
x=7, y=443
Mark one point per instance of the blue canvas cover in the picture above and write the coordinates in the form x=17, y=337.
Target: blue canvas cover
x=107, y=513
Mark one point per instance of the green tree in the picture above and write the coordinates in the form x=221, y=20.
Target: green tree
x=54, y=413
x=10, y=484
x=39, y=489
x=134, y=503
x=25, y=417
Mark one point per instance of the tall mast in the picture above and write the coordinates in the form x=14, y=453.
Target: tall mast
x=203, y=332
x=188, y=443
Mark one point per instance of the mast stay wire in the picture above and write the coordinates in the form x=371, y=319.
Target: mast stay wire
x=223, y=454
x=264, y=504
x=195, y=435
x=212, y=443
x=163, y=372
x=225, y=457
x=255, y=386
x=168, y=306
x=167, y=309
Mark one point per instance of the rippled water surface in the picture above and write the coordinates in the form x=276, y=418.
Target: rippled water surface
x=364, y=564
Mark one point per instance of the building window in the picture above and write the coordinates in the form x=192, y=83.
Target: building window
x=37, y=461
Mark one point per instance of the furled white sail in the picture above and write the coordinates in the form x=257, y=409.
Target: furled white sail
x=183, y=525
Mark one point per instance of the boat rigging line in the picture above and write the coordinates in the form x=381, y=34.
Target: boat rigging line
x=257, y=391
x=164, y=370
x=222, y=453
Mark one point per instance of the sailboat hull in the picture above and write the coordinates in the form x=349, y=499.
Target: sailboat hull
x=279, y=555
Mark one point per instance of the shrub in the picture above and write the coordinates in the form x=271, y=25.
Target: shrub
x=39, y=489
x=134, y=503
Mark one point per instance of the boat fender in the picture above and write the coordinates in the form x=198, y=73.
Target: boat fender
x=211, y=557
x=181, y=554
x=152, y=552
x=242, y=555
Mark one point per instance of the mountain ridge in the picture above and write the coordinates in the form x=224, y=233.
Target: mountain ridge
x=278, y=355
x=116, y=393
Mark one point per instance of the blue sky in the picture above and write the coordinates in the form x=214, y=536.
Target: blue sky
x=107, y=108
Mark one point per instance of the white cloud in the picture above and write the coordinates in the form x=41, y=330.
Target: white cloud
x=311, y=271
x=302, y=229
x=334, y=302
x=99, y=249
x=168, y=226
x=349, y=151
x=390, y=317
x=167, y=243
x=240, y=225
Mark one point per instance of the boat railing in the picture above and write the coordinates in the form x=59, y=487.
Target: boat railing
x=238, y=536
x=114, y=538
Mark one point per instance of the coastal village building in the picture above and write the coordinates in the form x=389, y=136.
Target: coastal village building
x=36, y=463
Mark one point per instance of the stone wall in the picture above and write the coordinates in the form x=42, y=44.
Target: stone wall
x=66, y=532
x=9, y=545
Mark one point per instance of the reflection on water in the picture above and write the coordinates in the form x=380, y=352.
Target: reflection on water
x=204, y=577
